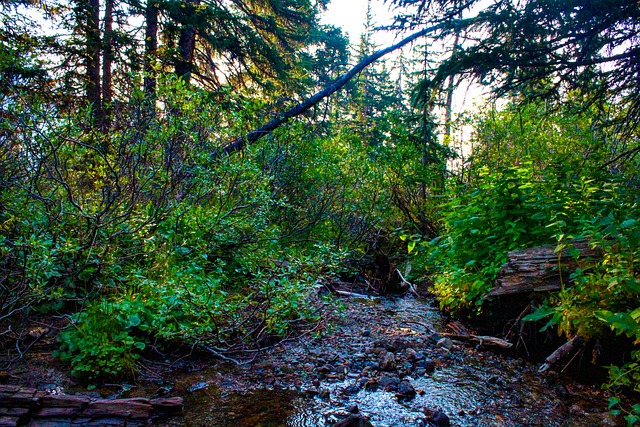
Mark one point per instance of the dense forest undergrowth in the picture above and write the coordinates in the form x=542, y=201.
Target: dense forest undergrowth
x=122, y=217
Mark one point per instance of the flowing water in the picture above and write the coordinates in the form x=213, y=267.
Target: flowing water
x=317, y=381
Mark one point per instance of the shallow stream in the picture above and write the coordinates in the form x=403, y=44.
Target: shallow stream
x=316, y=381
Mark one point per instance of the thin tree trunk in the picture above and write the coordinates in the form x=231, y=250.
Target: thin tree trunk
x=448, y=112
x=240, y=143
x=187, y=42
x=107, y=61
x=93, y=59
x=151, y=48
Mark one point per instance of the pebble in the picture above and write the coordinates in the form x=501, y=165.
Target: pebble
x=440, y=419
x=406, y=390
x=387, y=362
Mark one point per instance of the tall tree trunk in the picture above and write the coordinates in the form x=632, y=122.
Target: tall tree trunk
x=187, y=41
x=451, y=85
x=151, y=48
x=93, y=59
x=107, y=61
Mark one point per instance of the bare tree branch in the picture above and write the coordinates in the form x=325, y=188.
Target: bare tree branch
x=251, y=137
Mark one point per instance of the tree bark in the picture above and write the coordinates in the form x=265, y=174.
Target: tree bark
x=540, y=268
x=92, y=60
x=451, y=85
x=107, y=61
x=187, y=41
x=151, y=48
x=240, y=143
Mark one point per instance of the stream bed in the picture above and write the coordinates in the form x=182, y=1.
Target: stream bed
x=382, y=359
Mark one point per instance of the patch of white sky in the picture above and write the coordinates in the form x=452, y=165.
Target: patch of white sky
x=351, y=16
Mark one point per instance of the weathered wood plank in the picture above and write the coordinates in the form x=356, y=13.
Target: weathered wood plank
x=63, y=401
x=541, y=269
x=14, y=412
x=56, y=412
x=7, y=421
x=19, y=404
x=167, y=405
x=125, y=408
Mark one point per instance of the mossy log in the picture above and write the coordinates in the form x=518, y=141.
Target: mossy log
x=541, y=268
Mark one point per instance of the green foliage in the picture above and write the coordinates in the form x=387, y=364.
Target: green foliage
x=100, y=342
x=559, y=192
x=506, y=209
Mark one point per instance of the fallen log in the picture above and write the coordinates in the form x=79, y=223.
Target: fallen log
x=480, y=339
x=562, y=352
x=541, y=268
x=22, y=405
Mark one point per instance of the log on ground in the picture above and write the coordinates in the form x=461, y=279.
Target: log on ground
x=541, y=268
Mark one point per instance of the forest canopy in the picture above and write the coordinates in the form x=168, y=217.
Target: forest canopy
x=185, y=174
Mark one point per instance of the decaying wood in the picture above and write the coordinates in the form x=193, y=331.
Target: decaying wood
x=541, y=269
x=562, y=352
x=480, y=339
x=22, y=405
x=462, y=334
x=412, y=289
x=351, y=294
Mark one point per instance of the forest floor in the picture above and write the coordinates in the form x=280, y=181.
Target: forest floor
x=373, y=356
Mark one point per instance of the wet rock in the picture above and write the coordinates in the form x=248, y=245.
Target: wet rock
x=434, y=337
x=354, y=421
x=427, y=364
x=353, y=409
x=406, y=390
x=398, y=345
x=445, y=344
x=371, y=365
x=388, y=383
x=414, y=356
x=324, y=394
x=326, y=369
x=387, y=362
x=350, y=390
x=418, y=356
x=371, y=385
x=437, y=418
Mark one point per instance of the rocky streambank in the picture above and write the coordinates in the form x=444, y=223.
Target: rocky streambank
x=386, y=362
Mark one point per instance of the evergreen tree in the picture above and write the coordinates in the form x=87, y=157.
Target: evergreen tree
x=542, y=48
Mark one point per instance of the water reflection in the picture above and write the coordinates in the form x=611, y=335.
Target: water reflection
x=259, y=408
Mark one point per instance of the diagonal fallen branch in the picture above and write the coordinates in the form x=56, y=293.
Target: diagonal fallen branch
x=240, y=143
x=563, y=351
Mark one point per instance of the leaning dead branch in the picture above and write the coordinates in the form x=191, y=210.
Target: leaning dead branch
x=562, y=352
x=240, y=143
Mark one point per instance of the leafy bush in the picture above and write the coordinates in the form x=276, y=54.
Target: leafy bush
x=504, y=210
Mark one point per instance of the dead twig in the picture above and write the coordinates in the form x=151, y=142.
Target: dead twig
x=412, y=288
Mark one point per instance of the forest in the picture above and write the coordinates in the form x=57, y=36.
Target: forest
x=185, y=173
